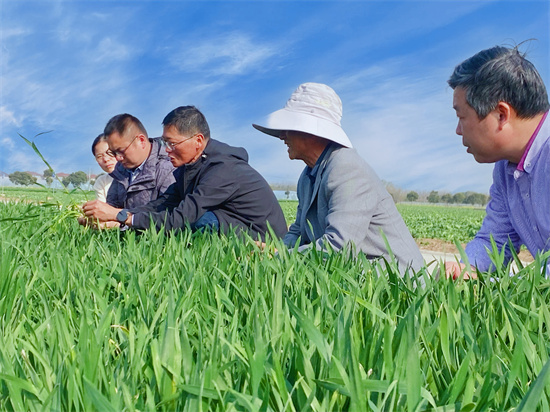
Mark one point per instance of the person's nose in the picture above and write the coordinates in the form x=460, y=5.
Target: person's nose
x=458, y=129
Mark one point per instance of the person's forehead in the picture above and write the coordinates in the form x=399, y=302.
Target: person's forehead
x=459, y=98
x=101, y=147
x=171, y=132
x=116, y=139
x=116, y=143
x=128, y=133
x=112, y=141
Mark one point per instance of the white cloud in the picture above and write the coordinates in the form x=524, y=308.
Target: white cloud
x=267, y=154
x=110, y=51
x=7, y=33
x=7, y=143
x=72, y=66
x=415, y=147
x=16, y=158
x=227, y=54
x=405, y=128
x=7, y=117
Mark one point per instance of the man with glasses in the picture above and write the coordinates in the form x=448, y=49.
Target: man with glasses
x=143, y=171
x=215, y=186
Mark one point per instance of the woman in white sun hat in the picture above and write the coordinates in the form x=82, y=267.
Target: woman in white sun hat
x=341, y=200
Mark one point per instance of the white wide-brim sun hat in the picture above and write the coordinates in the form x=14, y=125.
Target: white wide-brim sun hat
x=313, y=108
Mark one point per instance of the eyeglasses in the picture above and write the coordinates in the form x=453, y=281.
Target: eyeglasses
x=120, y=152
x=170, y=146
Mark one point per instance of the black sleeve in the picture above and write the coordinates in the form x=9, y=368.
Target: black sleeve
x=214, y=189
x=113, y=197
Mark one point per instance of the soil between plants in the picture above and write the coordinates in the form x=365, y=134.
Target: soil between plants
x=437, y=245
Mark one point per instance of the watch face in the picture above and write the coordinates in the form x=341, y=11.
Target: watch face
x=122, y=216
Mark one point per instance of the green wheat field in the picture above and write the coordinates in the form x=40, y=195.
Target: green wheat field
x=111, y=321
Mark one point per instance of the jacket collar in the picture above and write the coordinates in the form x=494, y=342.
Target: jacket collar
x=148, y=168
x=320, y=168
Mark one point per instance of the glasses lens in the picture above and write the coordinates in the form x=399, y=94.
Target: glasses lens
x=168, y=145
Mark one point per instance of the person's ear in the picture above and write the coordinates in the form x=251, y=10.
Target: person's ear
x=142, y=138
x=505, y=114
x=200, y=140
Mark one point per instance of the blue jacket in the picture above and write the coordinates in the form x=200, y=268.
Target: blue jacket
x=149, y=184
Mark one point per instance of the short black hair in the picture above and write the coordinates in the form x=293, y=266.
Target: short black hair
x=121, y=122
x=187, y=119
x=98, y=139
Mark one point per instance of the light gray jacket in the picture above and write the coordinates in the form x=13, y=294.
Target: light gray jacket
x=349, y=204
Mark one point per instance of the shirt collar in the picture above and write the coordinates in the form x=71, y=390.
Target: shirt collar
x=132, y=173
x=312, y=172
x=525, y=164
x=137, y=169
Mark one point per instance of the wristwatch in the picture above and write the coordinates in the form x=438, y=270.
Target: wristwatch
x=122, y=216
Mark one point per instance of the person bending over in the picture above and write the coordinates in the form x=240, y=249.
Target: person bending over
x=341, y=200
x=215, y=186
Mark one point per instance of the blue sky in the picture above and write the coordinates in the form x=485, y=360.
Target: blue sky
x=69, y=66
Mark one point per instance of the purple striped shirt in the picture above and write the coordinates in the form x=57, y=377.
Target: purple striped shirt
x=519, y=209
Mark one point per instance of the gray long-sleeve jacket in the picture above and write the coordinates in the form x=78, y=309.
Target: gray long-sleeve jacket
x=349, y=204
x=155, y=177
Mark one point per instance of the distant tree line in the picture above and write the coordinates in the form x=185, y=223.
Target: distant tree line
x=283, y=186
x=467, y=198
x=76, y=179
x=22, y=178
x=48, y=176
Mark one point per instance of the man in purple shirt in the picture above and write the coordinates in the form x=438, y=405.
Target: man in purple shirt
x=502, y=108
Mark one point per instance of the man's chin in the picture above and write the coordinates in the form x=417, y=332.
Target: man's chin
x=481, y=159
x=175, y=162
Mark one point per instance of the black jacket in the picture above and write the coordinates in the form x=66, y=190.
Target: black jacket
x=222, y=182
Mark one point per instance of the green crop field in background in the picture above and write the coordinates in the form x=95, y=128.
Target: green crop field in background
x=450, y=223
x=447, y=223
x=42, y=194
x=188, y=322
x=289, y=209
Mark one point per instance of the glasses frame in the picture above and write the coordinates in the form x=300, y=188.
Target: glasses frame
x=121, y=152
x=170, y=146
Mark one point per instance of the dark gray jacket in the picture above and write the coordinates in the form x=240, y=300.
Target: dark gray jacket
x=149, y=184
x=222, y=182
